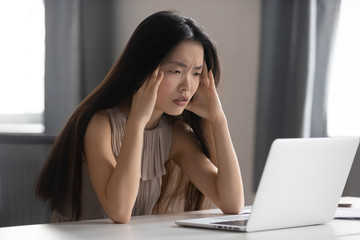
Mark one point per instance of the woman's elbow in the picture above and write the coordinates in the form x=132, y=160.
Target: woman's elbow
x=121, y=219
x=118, y=213
x=119, y=216
x=233, y=209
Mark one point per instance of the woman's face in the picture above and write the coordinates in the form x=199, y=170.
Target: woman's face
x=182, y=69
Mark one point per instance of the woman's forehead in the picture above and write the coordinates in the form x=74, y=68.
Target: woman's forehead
x=186, y=53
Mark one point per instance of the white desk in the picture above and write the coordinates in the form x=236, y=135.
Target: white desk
x=163, y=227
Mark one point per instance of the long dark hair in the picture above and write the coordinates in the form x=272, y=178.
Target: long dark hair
x=60, y=180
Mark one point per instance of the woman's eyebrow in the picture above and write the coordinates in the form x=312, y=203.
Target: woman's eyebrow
x=183, y=65
x=177, y=63
x=199, y=67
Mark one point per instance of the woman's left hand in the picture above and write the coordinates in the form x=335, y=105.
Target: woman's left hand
x=206, y=102
x=222, y=183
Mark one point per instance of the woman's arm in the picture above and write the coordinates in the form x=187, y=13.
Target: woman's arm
x=222, y=184
x=116, y=181
x=229, y=182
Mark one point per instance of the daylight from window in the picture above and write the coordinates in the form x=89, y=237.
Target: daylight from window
x=22, y=48
x=344, y=86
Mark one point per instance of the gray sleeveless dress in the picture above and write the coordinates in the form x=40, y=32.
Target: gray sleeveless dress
x=156, y=148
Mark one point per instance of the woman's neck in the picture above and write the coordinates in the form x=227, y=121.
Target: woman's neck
x=154, y=119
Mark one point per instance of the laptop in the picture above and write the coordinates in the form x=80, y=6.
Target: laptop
x=301, y=185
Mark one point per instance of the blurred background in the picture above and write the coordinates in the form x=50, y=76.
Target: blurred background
x=289, y=69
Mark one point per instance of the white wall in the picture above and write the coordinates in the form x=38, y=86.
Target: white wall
x=235, y=27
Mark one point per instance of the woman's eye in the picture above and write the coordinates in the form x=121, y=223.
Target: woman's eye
x=175, y=71
x=197, y=74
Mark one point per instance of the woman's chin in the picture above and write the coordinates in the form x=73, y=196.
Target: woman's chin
x=175, y=113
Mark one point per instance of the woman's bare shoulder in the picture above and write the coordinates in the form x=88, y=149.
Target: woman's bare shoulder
x=99, y=124
x=183, y=139
x=97, y=141
x=99, y=117
x=181, y=130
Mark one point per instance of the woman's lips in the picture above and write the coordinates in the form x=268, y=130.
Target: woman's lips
x=181, y=101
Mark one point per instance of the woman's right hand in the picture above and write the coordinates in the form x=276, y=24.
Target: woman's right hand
x=143, y=101
x=116, y=180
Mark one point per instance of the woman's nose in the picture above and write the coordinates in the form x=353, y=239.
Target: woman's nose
x=185, y=84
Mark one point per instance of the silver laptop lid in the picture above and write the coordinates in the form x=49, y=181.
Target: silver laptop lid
x=302, y=182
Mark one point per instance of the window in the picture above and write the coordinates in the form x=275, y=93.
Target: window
x=22, y=60
x=344, y=86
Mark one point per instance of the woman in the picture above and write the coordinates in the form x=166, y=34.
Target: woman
x=152, y=137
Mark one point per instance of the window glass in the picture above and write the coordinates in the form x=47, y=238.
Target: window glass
x=344, y=86
x=22, y=48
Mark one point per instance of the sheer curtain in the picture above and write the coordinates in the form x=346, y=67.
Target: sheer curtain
x=297, y=36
